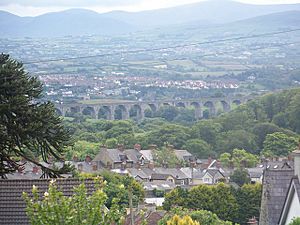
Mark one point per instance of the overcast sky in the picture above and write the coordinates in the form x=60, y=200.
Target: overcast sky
x=37, y=7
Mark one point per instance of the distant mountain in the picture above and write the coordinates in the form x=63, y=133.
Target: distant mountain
x=71, y=22
x=280, y=20
x=87, y=22
x=212, y=11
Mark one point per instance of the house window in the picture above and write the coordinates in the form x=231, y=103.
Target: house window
x=182, y=182
x=206, y=180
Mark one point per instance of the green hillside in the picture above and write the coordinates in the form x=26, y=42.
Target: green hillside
x=268, y=125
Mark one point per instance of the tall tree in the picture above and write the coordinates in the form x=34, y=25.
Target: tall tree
x=29, y=128
x=279, y=144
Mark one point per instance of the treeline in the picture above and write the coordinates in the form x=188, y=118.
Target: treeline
x=268, y=125
x=229, y=204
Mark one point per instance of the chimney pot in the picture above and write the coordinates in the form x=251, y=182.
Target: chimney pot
x=121, y=147
x=80, y=167
x=151, y=165
x=35, y=169
x=75, y=158
x=152, y=147
x=137, y=147
x=296, y=155
x=88, y=159
x=94, y=167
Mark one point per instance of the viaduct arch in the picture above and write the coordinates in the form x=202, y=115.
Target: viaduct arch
x=128, y=109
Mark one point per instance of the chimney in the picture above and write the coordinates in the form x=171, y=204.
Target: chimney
x=88, y=159
x=35, y=169
x=165, y=164
x=75, y=158
x=151, y=165
x=170, y=147
x=21, y=169
x=252, y=221
x=209, y=160
x=296, y=155
x=137, y=147
x=123, y=165
x=103, y=147
x=80, y=167
x=152, y=147
x=121, y=147
x=94, y=167
x=138, y=165
x=218, y=164
x=109, y=165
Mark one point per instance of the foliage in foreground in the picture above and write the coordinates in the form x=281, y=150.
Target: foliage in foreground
x=117, y=186
x=185, y=220
x=202, y=216
x=236, y=205
x=80, y=209
x=295, y=221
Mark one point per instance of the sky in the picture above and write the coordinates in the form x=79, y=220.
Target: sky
x=38, y=7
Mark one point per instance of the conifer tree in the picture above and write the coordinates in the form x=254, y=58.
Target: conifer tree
x=29, y=127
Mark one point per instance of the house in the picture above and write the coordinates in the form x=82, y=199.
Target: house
x=155, y=191
x=152, y=217
x=113, y=158
x=212, y=176
x=276, y=182
x=291, y=206
x=175, y=174
x=148, y=155
x=141, y=174
x=256, y=174
x=184, y=156
x=121, y=158
x=12, y=204
x=195, y=175
x=162, y=177
x=27, y=171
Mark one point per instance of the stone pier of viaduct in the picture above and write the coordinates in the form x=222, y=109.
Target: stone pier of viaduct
x=108, y=110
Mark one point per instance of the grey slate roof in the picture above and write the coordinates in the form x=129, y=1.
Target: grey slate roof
x=255, y=172
x=12, y=205
x=183, y=154
x=147, y=154
x=144, y=172
x=174, y=172
x=133, y=154
x=112, y=153
x=158, y=176
x=159, y=185
x=275, y=186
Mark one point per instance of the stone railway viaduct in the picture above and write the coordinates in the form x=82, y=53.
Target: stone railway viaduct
x=107, y=110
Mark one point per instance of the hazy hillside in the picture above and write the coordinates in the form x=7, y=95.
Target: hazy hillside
x=70, y=22
x=87, y=22
x=213, y=11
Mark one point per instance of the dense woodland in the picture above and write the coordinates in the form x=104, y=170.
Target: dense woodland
x=223, y=202
x=266, y=126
